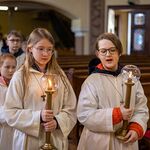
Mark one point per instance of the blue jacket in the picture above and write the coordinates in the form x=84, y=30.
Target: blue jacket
x=5, y=49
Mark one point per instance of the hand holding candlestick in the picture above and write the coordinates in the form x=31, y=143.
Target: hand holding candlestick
x=51, y=82
x=131, y=74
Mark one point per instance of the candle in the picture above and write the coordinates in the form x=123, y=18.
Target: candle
x=130, y=74
x=130, y=77
x=49, y=92
x=121, y=133
x=49, y=85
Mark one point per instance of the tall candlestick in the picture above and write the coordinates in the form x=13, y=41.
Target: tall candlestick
x=50, y=90
x=121, y=133
x=48, y=145
x=131, y=74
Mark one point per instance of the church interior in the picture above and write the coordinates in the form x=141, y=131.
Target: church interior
x=75, y=25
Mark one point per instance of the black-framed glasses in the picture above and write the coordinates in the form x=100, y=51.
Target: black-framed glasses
x=14, y=40
x=47, y=50
x=111, y=50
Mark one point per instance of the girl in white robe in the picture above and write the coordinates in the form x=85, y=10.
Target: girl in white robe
x=25, y=108
x=100, y=107
x=7, y=68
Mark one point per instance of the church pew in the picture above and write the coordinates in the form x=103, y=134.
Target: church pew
x=79, y=77
x=81, y=62
x=146, y=87
x=145, y=69
x=83, y=68
x=145, y=77
x=139, y=60
x=75, y=66
x=123, y=58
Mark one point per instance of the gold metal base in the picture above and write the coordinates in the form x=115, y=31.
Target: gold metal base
x=47, y=147
x=121, y=133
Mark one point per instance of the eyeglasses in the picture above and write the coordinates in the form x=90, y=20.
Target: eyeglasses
x=111, y=50
x=42, y=49
x=14, y=40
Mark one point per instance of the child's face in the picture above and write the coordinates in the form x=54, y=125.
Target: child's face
x=14, y=43
x=42, y=52
x=108, y=54
x=8, y=68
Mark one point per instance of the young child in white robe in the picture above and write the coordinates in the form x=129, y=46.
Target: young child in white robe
x=25, y=107
x=100, y=107
x=7, y=68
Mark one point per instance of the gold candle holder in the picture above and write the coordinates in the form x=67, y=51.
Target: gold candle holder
x=121, y=133
x=50, y=90
x=131, y=74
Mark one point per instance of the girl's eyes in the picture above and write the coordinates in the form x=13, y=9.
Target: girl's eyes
x=42, y=49
x=8, y=67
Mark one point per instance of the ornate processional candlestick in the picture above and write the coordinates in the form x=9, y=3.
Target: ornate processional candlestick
x=131, y=74
x=52, y=82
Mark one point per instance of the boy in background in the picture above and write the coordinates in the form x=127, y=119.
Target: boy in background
x=14, y=43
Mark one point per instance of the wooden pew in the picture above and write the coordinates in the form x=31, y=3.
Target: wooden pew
x=145, y=78
x=79, y=77
x=144, y=143
x=145, y=69
x=87, y=58
x=146, y=87
x=76, y=61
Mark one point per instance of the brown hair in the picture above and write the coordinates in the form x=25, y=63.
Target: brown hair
x=15, y=33
x=3, y=57
x=111, y=37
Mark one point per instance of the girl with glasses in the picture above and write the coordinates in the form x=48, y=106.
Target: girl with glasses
x=25, y=105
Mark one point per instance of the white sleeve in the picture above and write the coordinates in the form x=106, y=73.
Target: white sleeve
x=67, y=116
x=89, y=114
x=25, y=120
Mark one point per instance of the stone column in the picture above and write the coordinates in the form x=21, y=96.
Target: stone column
x=79, y=43
x=79, y=36
x=97, y=19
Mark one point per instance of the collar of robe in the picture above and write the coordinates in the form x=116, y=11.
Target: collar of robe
x=100, y=69
x=37, y=68
x=4, y=81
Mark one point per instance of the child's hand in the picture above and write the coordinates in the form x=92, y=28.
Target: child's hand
x=50, y=126
x=126, y=112
x=47, y=115
x=131, y=136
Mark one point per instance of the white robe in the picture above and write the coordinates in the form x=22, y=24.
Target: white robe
x=23, y=112
x=100, y=93
x=6, y=132
x=20, y=60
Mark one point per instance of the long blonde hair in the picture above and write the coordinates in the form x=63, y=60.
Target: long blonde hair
x=52, y=66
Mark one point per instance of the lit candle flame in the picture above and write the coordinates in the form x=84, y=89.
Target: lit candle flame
x=49, y=84
x=130, y=74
